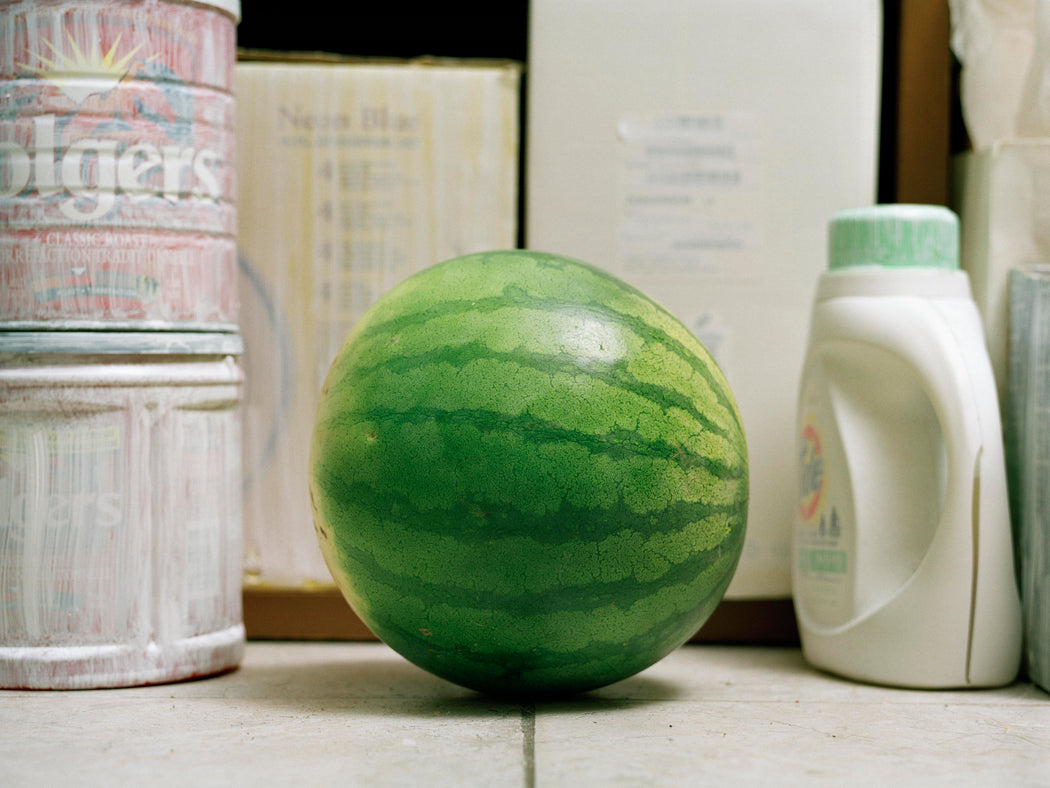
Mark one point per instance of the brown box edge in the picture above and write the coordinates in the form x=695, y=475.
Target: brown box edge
x=322, y=614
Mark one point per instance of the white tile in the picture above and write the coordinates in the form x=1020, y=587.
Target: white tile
x=742, y=673
x=787, y=743
x=310, y=715
x=355, y=713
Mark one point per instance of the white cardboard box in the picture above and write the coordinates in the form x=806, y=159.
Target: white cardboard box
x=352, y=176
x=698, y=148
x=1002, y=195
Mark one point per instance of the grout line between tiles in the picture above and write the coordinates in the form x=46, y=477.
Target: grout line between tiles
x=528, y=743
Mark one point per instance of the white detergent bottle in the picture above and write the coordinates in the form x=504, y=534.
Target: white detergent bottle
x=903, y=569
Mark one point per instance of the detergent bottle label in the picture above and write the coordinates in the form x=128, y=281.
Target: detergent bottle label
x=823, y=538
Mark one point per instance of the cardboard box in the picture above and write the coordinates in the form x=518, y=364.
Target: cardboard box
x=352, y=176
x=699, y=150
x=1002, y=196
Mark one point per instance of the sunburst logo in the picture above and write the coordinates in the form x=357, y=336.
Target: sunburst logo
x=66, y=69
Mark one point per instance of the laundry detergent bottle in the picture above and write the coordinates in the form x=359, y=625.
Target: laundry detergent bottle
x=902, y=569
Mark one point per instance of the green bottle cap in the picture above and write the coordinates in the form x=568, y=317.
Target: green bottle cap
x=894, y=236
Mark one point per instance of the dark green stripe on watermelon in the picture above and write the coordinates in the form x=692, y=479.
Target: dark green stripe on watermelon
x=520, y=462
x=573, y=576
x=547, y=653
x=502, y=338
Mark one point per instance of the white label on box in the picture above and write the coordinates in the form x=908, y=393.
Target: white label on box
x=713, y=332
x=688, y=183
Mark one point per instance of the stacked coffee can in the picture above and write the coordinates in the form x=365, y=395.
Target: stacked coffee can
x=120, y=376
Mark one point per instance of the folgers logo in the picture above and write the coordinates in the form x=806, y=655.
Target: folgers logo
x=74, y=510
x=92, y=171
x=66, y=477
x=91, y=126
x=811, y=473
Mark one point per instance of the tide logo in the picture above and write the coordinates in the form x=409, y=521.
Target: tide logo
x=811, y=472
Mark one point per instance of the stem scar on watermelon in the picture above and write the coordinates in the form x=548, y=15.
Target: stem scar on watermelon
x=526, y=476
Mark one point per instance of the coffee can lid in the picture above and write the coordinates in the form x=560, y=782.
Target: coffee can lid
x=231, y=7
x=146, y=343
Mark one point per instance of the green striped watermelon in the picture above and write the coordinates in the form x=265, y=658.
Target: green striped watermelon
x=527, y=477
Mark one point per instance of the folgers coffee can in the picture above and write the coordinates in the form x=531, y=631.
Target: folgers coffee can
x=120, y=507
x=117, y=165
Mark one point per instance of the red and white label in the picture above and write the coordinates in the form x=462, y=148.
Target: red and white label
x=117, y=176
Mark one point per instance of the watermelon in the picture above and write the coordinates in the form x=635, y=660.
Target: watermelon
x=527, y=477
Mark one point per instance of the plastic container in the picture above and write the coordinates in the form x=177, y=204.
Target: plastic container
x=117, y=165
x=1028, y=457
x=903, y=568
x=120, y=508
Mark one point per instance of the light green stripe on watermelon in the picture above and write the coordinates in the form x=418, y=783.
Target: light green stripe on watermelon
x=625, y=565
x=579, y=470
x=476, y=560
x=607, y=336
x=471, y=377
x=510, y=276
x=544, y=284
x=570, y=620
x=498, y=632
x=484, y=506
x=379, y=428
x=587, y=337
x=501, y=651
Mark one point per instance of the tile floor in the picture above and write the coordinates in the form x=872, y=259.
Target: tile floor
x=348, y=714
